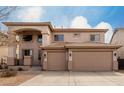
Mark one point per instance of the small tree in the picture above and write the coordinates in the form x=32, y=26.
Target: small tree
x=4, y=71
x=3, y=64
x=5, y=11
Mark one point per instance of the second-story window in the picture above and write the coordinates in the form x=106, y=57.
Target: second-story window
x=95, y=37
x=58, y=37
x=27, y=37
x=39, y=39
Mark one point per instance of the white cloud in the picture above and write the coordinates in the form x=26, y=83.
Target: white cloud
x=109, y=33
x=104, y=25
x=30, y=14
x=80, y=22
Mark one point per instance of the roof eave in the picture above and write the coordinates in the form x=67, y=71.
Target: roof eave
x=52, y=48
x=79, y=29
x=29, y=24
x=94, y=47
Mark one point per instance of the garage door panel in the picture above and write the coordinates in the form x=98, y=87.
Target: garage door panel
x=92, y=61
x=57, y=61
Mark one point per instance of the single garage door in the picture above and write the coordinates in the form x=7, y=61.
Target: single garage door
x=57, y=61
x=92, y=61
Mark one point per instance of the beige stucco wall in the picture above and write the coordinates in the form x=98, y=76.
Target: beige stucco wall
x=46, y=32
x=48, y=37
x=34, y=45
x=8, y=52
x=3, y=51
x=84, y=36
x=118, y=38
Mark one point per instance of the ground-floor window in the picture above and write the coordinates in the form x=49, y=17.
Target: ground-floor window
x=27, y=52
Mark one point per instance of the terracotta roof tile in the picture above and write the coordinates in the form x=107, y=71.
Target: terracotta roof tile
x=63, y=45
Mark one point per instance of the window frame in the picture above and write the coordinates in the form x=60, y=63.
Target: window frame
x=95, y=40
x=38, y=39
x=27, y=35
x=57, y=38
x=27, y=52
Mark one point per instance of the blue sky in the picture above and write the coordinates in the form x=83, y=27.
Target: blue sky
x=59, y=16
x=108, y=17
x=94, y=15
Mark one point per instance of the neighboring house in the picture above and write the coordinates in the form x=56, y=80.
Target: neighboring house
x=118, y=38
x=72, y=49
x=6, y=50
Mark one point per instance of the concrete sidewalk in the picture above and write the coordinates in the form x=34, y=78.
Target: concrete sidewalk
x=54, y=78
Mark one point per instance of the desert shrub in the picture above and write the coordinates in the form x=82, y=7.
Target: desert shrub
x=4, y=71
x=3, y=63
x=7, y=72
x=20, y=69
x=0, y=67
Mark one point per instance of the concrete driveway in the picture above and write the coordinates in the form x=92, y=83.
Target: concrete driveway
x=76, y=79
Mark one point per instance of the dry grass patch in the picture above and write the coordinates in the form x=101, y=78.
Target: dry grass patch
x=21, y=77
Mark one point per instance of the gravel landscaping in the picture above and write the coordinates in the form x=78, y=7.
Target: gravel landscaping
x=21, y=77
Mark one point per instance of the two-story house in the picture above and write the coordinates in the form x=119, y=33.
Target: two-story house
x=72, y=49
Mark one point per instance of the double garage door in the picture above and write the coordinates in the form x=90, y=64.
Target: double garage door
x=81, y=61
x=92, y=61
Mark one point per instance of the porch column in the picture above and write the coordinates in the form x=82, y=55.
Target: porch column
x=70, y=60
x=45, y=37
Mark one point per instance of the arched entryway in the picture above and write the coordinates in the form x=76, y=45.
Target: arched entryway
x=28, y=51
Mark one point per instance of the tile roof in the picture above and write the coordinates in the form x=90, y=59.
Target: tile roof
x=93, y=45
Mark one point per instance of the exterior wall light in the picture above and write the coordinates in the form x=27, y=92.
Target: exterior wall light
x=44, y=55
